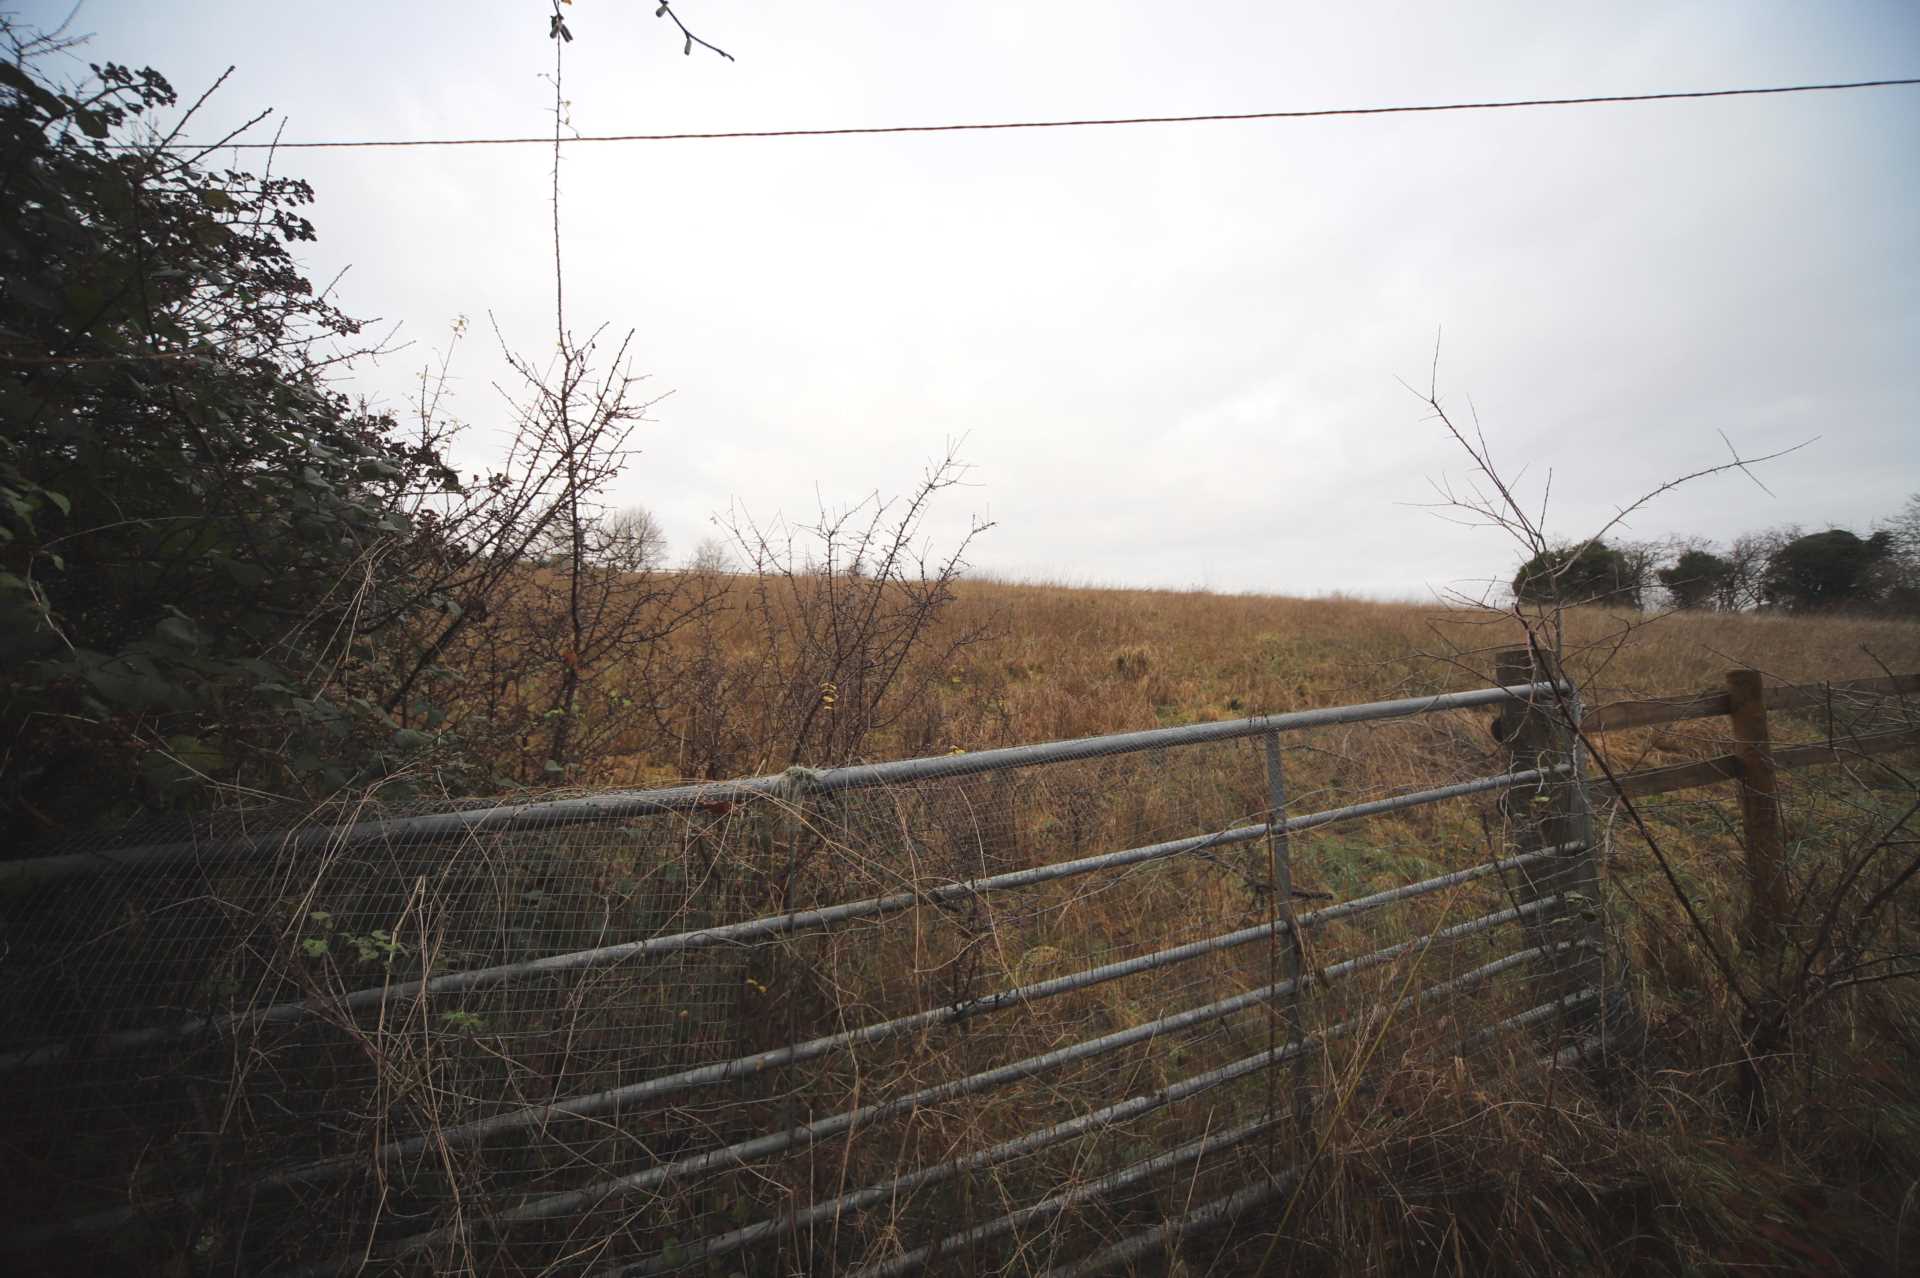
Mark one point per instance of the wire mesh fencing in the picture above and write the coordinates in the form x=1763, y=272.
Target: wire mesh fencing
x=1039, y=1008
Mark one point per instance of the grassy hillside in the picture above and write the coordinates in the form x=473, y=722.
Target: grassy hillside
x=1701, y=1155
x=1770, y=1120
x=1054, y=661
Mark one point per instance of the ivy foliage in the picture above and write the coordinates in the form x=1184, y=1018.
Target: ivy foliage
x=1589, y=573
x=1698, y=579
x=1827, y=570
x=190, y=517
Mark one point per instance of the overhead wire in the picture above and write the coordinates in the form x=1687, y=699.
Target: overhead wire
x=1091, y=122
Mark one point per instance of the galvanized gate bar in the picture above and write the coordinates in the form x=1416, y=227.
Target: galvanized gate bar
x=939, y=766
x=1022, y=1145
x=778, y=1142
x=1217, y=1212
x=746, y=1066
x=1533, y=1015
x=1587, y=963
x=1110, y=1183
x=1280, y=850
x=1288, y=980
x=653, y=947
x=755, y=929
x=622, y=804
x=1221, y=1210
x=746, y=1152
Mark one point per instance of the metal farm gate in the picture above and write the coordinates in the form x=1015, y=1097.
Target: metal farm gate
x=1050, y=1008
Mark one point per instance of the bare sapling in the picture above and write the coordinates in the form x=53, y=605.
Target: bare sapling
x=835, y=638
x=1831, y=918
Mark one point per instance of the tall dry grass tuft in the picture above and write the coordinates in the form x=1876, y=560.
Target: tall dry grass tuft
x=1494, y=1166
x=1428, y=1152
x=1045, y=662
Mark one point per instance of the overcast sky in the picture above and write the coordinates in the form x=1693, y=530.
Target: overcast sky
x=1174, y=352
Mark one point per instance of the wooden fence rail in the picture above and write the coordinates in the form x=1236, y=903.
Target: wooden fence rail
x=1755, y=764
x=590, y=982
x=1686, y=776
x=642, y=1054
x=1617, y=715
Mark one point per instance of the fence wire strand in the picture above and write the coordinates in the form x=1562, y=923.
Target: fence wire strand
x=973, y=1019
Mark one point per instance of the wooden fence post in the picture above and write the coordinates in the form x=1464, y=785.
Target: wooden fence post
x=1553, y=813
x=1759, y=809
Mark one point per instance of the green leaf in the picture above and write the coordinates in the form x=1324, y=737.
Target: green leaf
x=14, y=78
x=409, y=740
x=58, y=499
x=21, y=507
x=196, y=754
x=131, y=683
x=179, y=631
x=314, y=947
x=245, y=575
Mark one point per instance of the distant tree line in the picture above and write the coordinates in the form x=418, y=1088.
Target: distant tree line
x=1787, y=569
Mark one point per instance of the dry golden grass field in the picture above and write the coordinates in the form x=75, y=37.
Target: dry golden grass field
x=1761, y=1116
x=1772, y=1121
x=1057, y=662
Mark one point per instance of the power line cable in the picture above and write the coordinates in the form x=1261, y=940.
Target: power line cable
x=1325, y=113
